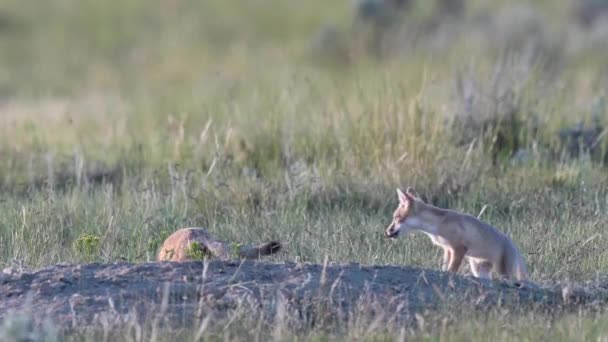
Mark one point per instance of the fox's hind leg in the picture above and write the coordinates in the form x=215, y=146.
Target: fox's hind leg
x=481, y=269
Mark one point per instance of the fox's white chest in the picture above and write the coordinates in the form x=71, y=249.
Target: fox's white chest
x=429, y=230
x=474, y=253
x=438, y=240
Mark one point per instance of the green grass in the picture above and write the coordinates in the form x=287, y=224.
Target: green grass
x=214, y=114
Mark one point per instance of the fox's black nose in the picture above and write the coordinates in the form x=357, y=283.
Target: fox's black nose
x=390, y=233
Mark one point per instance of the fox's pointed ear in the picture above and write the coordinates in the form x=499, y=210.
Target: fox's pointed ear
x=403, y=198
x=410, y=191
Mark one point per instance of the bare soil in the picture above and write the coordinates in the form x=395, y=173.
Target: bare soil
x=73, y=295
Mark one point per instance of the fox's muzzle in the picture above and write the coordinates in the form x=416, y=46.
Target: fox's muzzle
x=391, y=232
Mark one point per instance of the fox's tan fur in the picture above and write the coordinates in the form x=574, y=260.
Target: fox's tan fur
x=178, y=247
x=461, y=236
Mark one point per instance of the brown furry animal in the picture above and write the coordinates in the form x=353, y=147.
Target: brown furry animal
x=461, y=236
x=196, y=243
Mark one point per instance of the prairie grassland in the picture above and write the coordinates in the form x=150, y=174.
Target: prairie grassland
x=122, y=121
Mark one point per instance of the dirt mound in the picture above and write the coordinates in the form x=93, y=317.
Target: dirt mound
x=73, y=295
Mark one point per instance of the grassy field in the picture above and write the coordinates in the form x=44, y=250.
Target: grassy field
x=122, y=121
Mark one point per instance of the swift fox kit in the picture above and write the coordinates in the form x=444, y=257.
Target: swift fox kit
x=191, y=243
x=461, y=236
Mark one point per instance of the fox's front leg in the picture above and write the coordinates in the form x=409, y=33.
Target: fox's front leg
x=456, y=259
x=447, y=258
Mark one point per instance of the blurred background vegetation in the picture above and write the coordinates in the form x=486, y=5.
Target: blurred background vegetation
x=121, y=121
